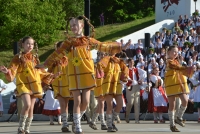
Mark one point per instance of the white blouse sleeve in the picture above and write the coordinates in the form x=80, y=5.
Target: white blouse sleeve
x=153, y=78
x=2, y=84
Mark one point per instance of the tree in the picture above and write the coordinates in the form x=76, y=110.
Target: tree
x=117, y=11
x=41, y=19
x=73, y=8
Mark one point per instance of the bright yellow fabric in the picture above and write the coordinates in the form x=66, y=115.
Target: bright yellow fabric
x=175, y=79
x=61, y=84
x=110, y=81
x=81, y=66
x=28, y=79
x=98, y=89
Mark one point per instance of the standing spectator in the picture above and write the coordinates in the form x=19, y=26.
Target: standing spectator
x=133, y=90
x=3, y=86
x=101, y=17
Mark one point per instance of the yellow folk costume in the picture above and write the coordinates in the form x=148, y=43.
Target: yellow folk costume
x=114, y=71
x=81, y=66
x=60, y=84
x=175, y=80
x=28, y=79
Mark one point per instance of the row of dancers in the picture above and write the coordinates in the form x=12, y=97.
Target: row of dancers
x=71, y=71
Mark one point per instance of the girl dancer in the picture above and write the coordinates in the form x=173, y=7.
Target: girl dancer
x=28, y=80
x=61, y=87
x=80, y=65
x=176, y=85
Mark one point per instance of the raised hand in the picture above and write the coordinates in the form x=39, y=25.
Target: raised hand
x=3, y=69
x=57, y=74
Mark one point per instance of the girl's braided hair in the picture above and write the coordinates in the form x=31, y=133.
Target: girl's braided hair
x=82, y=17
x=21, y=41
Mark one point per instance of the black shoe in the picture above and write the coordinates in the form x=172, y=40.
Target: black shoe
x=65, y=129
x=104, y=127
x=114, y=127
x=110, y=129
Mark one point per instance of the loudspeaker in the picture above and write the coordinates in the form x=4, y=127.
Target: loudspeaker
x=15, y=48
x=147, y=39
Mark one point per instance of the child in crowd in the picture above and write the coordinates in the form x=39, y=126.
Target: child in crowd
x=157, y=100
x=51, y=106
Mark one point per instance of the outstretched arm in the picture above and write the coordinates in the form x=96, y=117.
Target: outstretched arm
x=56, y=55
x=107, y=47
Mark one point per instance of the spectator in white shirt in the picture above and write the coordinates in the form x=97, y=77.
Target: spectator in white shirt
x=139, y=45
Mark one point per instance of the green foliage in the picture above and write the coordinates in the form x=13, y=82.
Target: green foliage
x=41, y=19
x=73, y=8
x=117, y=11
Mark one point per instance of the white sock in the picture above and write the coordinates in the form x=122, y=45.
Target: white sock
x=28, y=124
x=94, y=118
x=64, y=117
x=109, y=121
x=77, y=122
x=82, y=113
x=181, y=111
x=22, y=121
x=160, y=116
x=102, y=118
x=171, y=117
x=115, y=115
x=59, y=118
x=155, y=116
x=51, y=118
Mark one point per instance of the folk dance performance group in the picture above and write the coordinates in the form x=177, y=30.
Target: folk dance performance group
x=72, y=73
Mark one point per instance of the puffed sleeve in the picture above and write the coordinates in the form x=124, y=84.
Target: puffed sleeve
x=46, y=77
x=107, y=47
x=153, y=78
x=57, y=54
x=12, y=69
x=174, y=64
x=124, y=71
x=2, y=84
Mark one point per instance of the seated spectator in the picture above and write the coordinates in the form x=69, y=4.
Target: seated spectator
x=186, y=20
x=180, y=34
x=157, y=36
x=151, y=44
x=164, y=30
x=139, y=45
x=175, y=39
x=168, y=39
x=140, y=62
x=175, y=28
x=188, y=37
x=151, y=54
x=181, y=22
x=152, y=64
x=136, y=57
x=188, y=27
x=189, y=52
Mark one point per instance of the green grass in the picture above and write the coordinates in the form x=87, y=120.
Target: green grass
x=105, y=33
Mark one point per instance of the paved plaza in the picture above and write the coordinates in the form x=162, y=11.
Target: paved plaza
x=145, y=127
